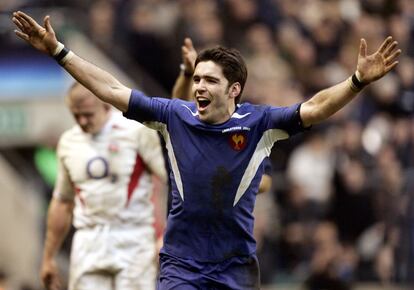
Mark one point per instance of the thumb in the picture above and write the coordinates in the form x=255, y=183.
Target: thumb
x=363, y=48
x=47, y=24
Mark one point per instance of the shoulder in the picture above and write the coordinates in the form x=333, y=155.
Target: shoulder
x=119, y=121
x=69, y=137
x=185, y=106
x=71, y=134
x=132, y=128
x=183, y=110
x=125, y=128
x=248, y=111
x=252, y=108
x=178, y=104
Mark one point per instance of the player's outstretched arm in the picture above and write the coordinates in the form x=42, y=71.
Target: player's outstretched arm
x=369, y=69
x=58, y=224
x=98, y=81
x=182, y=86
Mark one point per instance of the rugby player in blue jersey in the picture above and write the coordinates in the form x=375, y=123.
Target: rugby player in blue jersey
x=216, y=149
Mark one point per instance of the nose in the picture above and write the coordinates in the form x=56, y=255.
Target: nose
x=200, y=86
x=82, y=120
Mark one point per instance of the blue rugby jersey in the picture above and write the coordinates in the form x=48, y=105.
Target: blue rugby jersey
x=216, y=171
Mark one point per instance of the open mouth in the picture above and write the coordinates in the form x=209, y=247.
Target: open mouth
x=203, y=102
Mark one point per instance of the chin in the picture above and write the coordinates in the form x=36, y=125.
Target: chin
x=87, y=130
x=205, y=118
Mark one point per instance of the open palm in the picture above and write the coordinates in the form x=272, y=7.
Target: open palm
x=41, y=38
x=374, y=66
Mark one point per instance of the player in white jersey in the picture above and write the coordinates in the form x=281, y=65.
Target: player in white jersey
x=105, y=164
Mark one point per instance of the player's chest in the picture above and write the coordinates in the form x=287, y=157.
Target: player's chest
x=98, y=159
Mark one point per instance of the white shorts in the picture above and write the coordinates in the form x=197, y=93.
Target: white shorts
x=113, y=258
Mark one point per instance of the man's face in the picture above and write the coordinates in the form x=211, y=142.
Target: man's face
x=90, y=113
x=215, y=102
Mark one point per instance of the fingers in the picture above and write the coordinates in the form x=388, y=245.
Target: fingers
x=18, y=23
x=22, y=35
x=385, y=44
x=27, y=23
x=390, y=67
x=22, y=24
x=184, y=50
x=186, y=47
x=188, y=43
x=363, y=48
x=28, y=19
x=392, y=57
x=390, y=48
x=390, y=54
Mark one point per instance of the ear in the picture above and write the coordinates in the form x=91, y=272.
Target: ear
x=235, y=89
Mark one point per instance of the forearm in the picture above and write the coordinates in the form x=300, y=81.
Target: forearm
x=265, y=183
x=182, y=88
x=58, y=224
x=101, y=83
x=326, y=103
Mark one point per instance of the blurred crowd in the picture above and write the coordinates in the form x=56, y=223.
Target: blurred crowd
x=341, y=208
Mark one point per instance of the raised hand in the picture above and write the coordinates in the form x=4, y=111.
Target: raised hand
x=41, y=38
x=375, y=66
x=189, y=55
x=50, y=275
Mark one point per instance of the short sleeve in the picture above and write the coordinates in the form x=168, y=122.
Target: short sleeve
x=147, y=109
x=287, y=119
x=149, y=147
x=63, y=186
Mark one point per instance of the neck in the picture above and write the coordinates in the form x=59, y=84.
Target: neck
x=104, y=122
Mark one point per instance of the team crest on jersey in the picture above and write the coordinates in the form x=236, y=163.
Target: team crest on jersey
x=113, y=147
x=238, y=141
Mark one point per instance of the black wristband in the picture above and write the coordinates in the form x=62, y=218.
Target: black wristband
x=61, y=54
x=358, y=85
x=187, y=74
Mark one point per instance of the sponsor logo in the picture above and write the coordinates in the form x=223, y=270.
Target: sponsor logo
x=236, y=128
x=97, y=168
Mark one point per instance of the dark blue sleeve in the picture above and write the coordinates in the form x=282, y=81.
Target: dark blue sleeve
x=287, y=119
x=145, y=109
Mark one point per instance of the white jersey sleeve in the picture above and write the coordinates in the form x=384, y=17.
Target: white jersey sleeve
x=63, y=187
x=149, y=148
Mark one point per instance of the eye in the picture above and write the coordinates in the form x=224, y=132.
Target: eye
x=196, y=79
x=212, y=80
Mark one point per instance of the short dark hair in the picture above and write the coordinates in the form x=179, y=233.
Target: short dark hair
x=231, y=62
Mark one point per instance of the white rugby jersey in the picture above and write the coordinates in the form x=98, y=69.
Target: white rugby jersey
x=108, y=174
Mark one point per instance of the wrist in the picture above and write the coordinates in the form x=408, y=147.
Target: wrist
x=187, y=73
x=47, y=257
x=355, y=82
x=359, y=77
x=62, y=54
x=58, y=49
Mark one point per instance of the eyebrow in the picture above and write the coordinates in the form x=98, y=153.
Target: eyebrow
x=206, y=76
